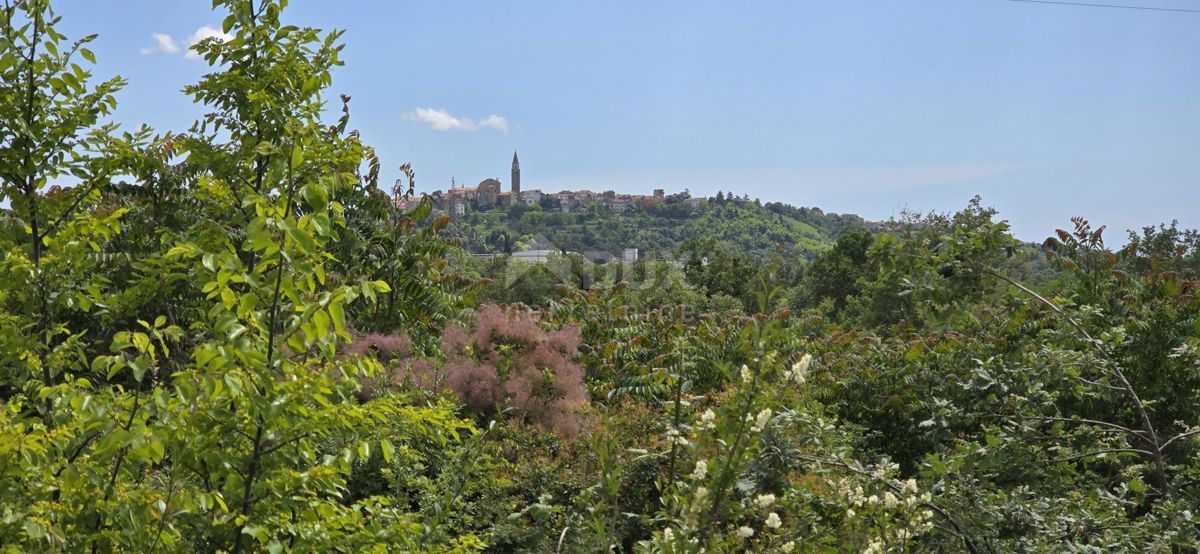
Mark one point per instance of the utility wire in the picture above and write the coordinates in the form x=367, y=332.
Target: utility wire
x=1124, y=7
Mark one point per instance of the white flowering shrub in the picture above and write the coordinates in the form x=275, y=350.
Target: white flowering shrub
x=761, y=473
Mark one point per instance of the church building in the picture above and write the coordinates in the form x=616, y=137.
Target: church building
x=484, y=196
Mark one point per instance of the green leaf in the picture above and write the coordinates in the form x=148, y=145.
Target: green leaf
x=183, y=250
x=139, y=368
x=34, y=530
x=936, y=466
x=264, y=148
x=87, y=55
x=386, y=447
x=157, y=450
x=338, y=317
x=320, y=321
x=234, y=384
x=258, y=532
x=302, y=239
x=314, y=195
x=296, y=343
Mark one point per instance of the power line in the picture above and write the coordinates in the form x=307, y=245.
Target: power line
x=1090, y=5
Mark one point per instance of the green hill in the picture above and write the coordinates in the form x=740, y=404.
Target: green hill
x=744, y=225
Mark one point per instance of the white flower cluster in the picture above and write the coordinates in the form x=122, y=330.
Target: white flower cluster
x=888, y=499
x=772, y=521
x=1185, y=351
x=701, y=470
x=708, y=420
x=799, y=371
x=668, y=539
x=761, y=421
x=747, y=375
x=675, y=436
x=903, y=500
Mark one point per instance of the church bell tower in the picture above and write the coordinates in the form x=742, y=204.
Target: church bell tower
x=516, y=177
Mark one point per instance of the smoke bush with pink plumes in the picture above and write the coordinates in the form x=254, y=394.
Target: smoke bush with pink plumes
x=507, y=362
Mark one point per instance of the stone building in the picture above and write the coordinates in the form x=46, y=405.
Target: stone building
x=488, y=194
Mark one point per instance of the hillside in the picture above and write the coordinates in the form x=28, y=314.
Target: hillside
x=750, y=227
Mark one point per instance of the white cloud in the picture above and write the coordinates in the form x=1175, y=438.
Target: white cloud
x=202, y=33
x=162, y=43
x=495, y=122
x=441, y=120
x=167, y=44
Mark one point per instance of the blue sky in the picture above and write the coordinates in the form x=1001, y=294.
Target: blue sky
x=862, y=106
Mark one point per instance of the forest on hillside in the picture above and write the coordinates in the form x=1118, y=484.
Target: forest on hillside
x=660, y=228
x=229, y=339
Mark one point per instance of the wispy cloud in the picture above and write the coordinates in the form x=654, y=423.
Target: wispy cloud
x=163, y=43
x=167, y=44
x=441, y=120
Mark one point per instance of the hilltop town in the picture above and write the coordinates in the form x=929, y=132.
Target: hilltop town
x=625, y=225
x=487, y=195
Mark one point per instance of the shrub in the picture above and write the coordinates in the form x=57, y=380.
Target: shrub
x=506, y=362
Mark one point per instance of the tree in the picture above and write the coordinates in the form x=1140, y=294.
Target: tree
x=239, y=433
x=835, y=275
x=716, y=269
x=50, y=129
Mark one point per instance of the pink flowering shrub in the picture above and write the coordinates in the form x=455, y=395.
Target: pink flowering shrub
x=385, y=347
x=507, y=362
x=476, y=384
x=396, y=353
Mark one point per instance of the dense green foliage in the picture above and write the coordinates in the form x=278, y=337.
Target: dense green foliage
x=229, y=339
x=660, y=227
